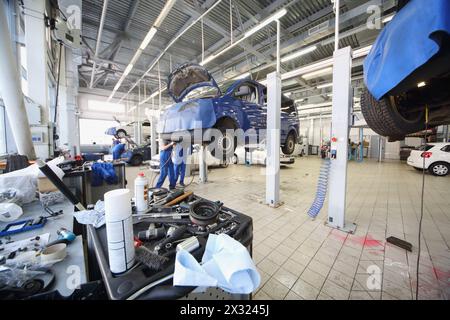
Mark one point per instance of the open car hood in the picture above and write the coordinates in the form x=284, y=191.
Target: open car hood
x=188, y=77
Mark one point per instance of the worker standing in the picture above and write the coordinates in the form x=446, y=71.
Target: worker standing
x=165, y=164
x=179, y=163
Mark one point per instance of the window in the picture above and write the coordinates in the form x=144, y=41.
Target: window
x=247, y=92
x=425, y=147
x=93, y=131
x=446, y=148
x=107, y=107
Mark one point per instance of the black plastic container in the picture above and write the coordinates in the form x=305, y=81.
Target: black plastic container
x=158, y=284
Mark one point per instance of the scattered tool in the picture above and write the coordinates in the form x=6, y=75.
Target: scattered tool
x=179, y=199
x=23, y=226
x=64, y=236
x=400, y=243
x=204, y=212
x=152, y=234
x=147, y=257
x=174, y=236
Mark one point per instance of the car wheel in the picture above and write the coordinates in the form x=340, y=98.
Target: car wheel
x=136, y=160
x=234, y=159
x=226, y=142
x=289, y=145
x=388, y=117
x=121, y=133
x=439, y=169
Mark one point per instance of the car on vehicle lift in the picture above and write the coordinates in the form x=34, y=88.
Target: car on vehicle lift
x=240, y=104
x=436, y=156
x=407, y=69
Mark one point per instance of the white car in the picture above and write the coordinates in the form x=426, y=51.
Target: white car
x=257, y=156
x=436, y=155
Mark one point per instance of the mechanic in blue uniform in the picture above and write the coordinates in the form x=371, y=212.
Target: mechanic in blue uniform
x=179, y=162
x=165, y=164
x=118, y=148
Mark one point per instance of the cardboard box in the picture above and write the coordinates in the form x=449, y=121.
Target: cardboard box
x=45, y=185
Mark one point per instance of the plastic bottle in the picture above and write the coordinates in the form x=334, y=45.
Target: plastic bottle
x=140, y=192
x=119, y=230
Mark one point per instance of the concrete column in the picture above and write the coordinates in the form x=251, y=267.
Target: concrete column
x=68, y=130
x=11, y=92
x=38, y=84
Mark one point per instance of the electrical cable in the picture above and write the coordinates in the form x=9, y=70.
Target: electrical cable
x=421, y=207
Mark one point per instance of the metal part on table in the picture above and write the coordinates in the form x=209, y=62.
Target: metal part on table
x=190, y=244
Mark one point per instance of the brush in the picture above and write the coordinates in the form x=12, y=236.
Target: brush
x=149, y=258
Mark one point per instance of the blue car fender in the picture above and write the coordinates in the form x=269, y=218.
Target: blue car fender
x=188, y=115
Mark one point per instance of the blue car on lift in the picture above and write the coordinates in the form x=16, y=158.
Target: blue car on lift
x=407, y=69
x=240, y=104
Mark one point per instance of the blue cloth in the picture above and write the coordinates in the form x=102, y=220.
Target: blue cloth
x=111, y=131
x=405, y=44
x=166, y=169
x=226, y=263
x=117, y=150
x=103, y=171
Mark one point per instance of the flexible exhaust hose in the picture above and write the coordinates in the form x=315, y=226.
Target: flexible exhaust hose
x=322, y=186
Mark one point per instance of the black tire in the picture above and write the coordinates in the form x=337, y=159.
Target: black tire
x=384, y=118
x=121, y=133
x=440, y=169
x=289, y=144
x=136, y=160
x=227, y=142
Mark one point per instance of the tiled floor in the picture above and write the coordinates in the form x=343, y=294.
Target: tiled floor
x=300, y=258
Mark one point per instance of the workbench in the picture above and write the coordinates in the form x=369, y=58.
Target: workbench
x=75, y=261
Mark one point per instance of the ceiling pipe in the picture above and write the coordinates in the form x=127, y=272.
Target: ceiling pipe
x=99, y=38
x=11, y=92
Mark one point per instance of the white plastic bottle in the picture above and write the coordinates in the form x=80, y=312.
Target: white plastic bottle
x=119, y=230
x=140, y=192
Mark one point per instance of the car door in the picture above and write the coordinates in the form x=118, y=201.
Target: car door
x=249, y=96
x=445, y=153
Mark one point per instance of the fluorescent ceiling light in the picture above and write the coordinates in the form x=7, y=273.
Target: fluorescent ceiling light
x=299, y=100
x=325, y=85
x=288, y=94
x=242, y=76
x=318, y=73
x=148, y=38
x=273, y=17
x=421, y=84
x=127, y=69
x=298, y=53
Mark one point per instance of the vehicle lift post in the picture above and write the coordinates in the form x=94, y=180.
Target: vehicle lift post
x=273, y=139
x=340, y=126
x=202, y=165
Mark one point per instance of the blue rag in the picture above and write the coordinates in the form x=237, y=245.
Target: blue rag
x=226, y=263
x=103, y=171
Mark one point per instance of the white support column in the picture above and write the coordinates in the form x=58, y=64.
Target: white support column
x=153, y=133
x=68, y=103
x=11, y=91
x=342, y=99
x=37, y=73
x=202, y=165
x=273, y=139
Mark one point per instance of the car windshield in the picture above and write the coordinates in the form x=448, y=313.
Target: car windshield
x=225, y=85
x=203, y=92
